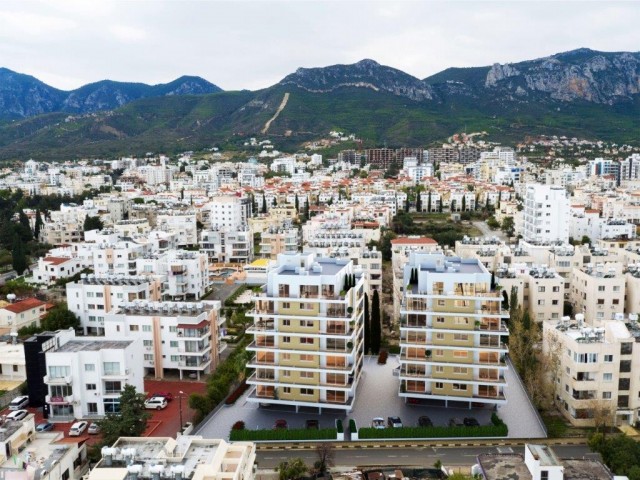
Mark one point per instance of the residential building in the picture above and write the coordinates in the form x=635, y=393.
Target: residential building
x=227, y=246
x=85, y=376
x=546, y=214
x=24, y=313
x=183, y=223
x=594, y=375
x=12, y=362
x=308, y=333
x=95, y=295
x=598, y=291
x=187, y=275
x=277, y=240
x=186, y=457
x=176, y=336
x=451, y=332
x=50, y=269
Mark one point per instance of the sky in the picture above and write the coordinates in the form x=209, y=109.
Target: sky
x=254, y=44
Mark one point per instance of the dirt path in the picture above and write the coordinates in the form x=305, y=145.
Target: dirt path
x=283, y=104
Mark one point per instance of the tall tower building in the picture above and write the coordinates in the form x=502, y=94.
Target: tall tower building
x=546, y=214
x=308, y=333
x=452, y=332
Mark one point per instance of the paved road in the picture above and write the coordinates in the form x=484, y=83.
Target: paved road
x=487, y=232
x=406, y=457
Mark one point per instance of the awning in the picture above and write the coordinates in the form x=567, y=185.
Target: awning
x=202, y=324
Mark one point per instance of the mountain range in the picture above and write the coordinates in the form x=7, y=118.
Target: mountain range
x=582, y=92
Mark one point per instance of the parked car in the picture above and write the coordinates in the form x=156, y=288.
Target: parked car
x=94, y=428
x=394, y=422
x=17, y=415
x=312, y=424
x=155, y=403
x=167, y=395
x=19, y=403
x=44, y=427
x=425, y=421
x=77, y=429
x=377, y=422
x=470, y=422
x=280, y=424
x=456, y=422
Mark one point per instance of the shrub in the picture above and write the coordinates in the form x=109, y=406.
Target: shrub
x=394, y=349
x=282, y=435
x=435, y=432
x=339, y=426
x=230, y=301
x=237, y=393
x=352, y=426
x=382, y=357
x=239, y=425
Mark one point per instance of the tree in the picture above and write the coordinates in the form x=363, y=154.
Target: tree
x=508, y=226
x=296, y=204
x=367, y=325
x=585, y=239
x=493, y=281
x=292, y=469
x=492, y=223
x=92, y=223
x=513, y=301
x=464, y=203
x=264, y=204
x=130, y=421
x=19, y=256
x=418, y=202
x=325, y=456
x=38, y=225
x=429, y=202
x=60, y=318
x=376, y=327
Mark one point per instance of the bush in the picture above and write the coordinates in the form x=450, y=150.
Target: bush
x=230, y=301
x=382, y=357
x=435, y=432
x=394, y=349
x=339, y=426
x=239, y=425
x=282, y=435
x=352, y=426
x=237, y=393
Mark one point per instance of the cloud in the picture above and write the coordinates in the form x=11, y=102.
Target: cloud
x=29, y=24
x=127, y=34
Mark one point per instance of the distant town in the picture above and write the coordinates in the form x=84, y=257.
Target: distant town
x=465, y=310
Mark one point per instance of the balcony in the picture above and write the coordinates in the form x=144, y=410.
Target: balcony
x=49, y=380
x=178, y=269
x=263, y=360
x=262, y=327
x=116, y=374
x=58, y=400
x=337, y=397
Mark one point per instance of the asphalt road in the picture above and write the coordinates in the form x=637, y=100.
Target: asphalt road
x=403, y=457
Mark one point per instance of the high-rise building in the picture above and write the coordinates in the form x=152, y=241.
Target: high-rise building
x=308, y=333
x=546, y=214
x=451, y=332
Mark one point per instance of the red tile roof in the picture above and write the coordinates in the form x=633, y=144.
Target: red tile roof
x=56, y=260
x=414, y=241
x=24, y=305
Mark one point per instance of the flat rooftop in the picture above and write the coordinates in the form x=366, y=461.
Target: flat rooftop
x=504, y=467
x=93, y=345
x=545, y=455
x=455, y=267
x=327, y=268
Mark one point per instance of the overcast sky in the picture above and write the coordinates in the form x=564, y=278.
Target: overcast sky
x=243, y=44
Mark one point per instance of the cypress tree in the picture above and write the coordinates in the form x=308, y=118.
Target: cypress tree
x=297, y=204
x=464, y=203
x=376, y=327
x=38, y=225
x=418, y=202
x=493, y=281
x=429, y=202
x=18, y=256
x=264, y=204
x=367, y=325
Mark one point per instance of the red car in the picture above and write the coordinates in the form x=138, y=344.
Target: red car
x=167, y=395
x=280, y=424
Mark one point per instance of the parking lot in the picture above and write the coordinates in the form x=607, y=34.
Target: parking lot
x=377, y=396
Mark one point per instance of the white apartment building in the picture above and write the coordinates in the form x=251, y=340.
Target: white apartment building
x=595, y=367
x=12, y=362
x=451, y=332
x=85, y=376
x=228, y=212
x=308, y=334
x=95, y=295
x=186, y=457
x=182, y=223
x=227, y=246
x=187, y=275
x=176, y=336
x=50, y=269
x=598, y=291
x=546, y=212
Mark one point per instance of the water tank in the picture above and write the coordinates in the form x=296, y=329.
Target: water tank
x=11, y=297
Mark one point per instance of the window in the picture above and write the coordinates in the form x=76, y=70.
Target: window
x=439, y=369
x=89, y=367
x=540, y=302
x=460, y=354
x=439, y=385
x=286, y=356
x=147, y=343
x=306, y=340
x=462, y=321
x=112, y=387
x=608, y=358
x=601, y=288
x=585, y=357
x=92, y=407
x=541, y=289
x=460, y=370
x=59, y=372
x=286, y=339
x=134, y=328
x=459, y=386
x=544, y=474
x=111, y=368
x=173, y=329
x=173, y=344
x=306, y=323
x=286, y=389
x=147, y=328
x=607, y=377
x=148, y=357
x=175, y=358
x=438, y=353
x=111, y=405
x=606, y=395
x=439, y=336
x=306, y=374
x=286, y=304
x=286, y=323
x=306, y=391
x=441, y=303
x=90, y=386
x=439, y=319
x=286, y=373
x=555, y=289
x=616, y=288
x=460, y=337
x=306, y=358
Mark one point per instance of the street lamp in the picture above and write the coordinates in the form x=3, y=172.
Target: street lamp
x=180, y=393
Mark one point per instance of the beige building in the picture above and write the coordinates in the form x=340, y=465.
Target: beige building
x=187, y=457
x=308, y=333
x=598, y=291
x=595, y=364
x=277, y=240
x=451, y=332
x=25, y=313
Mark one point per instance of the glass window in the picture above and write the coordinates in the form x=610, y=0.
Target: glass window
x=59, y=372
x=111, y=368
x=89, y=367
x=173, y=344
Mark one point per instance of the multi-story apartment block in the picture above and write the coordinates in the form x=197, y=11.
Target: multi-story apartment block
x=277, y=240
x=598, y=291
x=187, y=457
x=546, y=211
x=308, y=333
x=452, y=332
x=95, y=295
x=50, y=269
x=370, y=259
x=228, y=212
x=176, y=336
x=184, y=224
x=187, y=275
x=595, y=365
x=85, y=376
x=227, y=246
x=544, y=293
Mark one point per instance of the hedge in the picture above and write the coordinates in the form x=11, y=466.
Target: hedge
x=434, y=432
x=283, y=435
x=230, y=301
x=339, y=427
x=352, y=426
x=237, y=393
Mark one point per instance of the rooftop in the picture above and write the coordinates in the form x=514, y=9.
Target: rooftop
x=503, y=467
x=24, y=305
x=93, y=345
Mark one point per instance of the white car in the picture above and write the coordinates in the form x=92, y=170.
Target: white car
x=156, y=403
x=19, y=403
x=378, y=423
x=77, y=429
x=17, y=415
